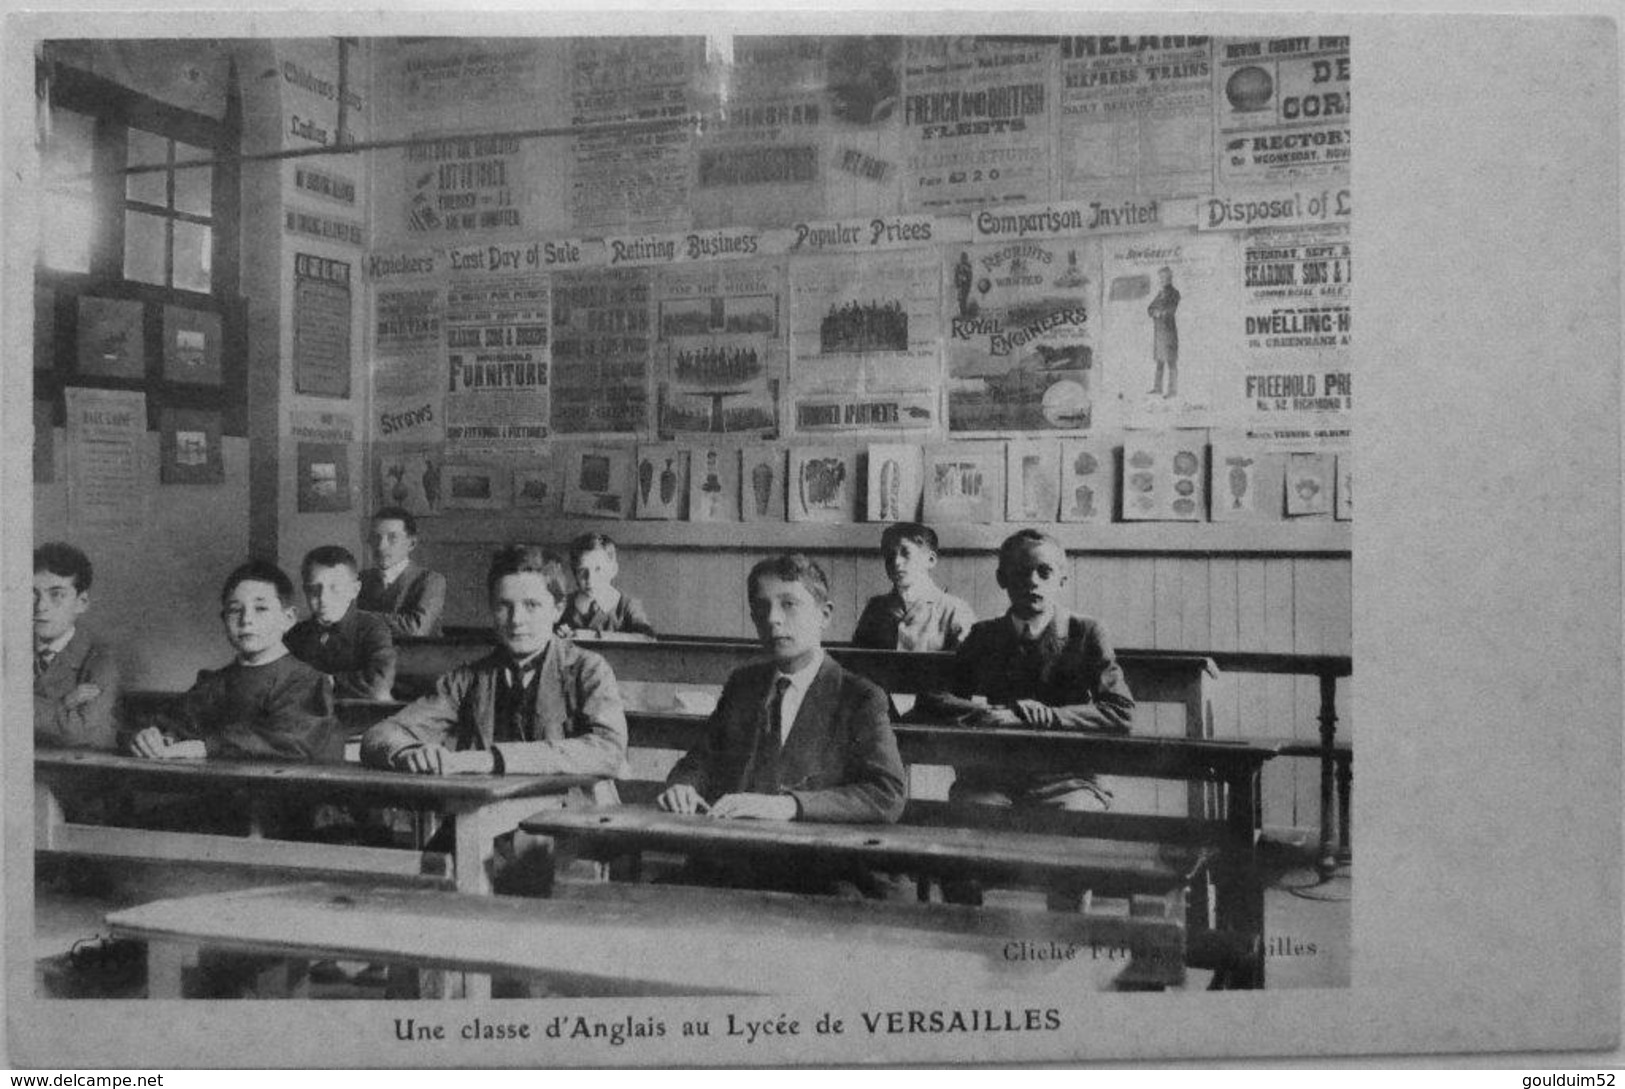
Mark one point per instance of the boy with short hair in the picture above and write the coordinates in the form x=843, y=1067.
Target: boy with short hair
x=1039, y=666
x=535, y=706
x=408, y=596
x=598, y=607
x=353, y=647
x=76, y=677
x=918, y=614
x=265, y=705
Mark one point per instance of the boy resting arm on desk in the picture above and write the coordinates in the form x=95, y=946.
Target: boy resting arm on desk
x=76, y=677
x=799, y=737
x=265, y=705
x=598, y=607
x=537, y=706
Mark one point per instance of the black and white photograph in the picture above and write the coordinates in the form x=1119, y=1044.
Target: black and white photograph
x=475, y=715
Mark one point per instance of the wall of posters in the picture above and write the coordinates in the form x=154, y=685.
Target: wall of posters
x=601, y=348
x=861, y=326
x=321, y=326
x=1022, y=343
x=497, y=361
x=719, y=347
x=976, y=122
x=1136, y=117
x=107, y=475
x=1281, y=109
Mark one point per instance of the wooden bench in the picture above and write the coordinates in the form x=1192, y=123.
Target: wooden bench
x=640, y=940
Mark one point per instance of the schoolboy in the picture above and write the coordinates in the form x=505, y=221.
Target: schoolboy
x=353, y=647
x=76, y=677
x=917, y=614
x=597, y=607
x=265, y=705
x=1038, y=666
x=408, y=596
x=535, y=706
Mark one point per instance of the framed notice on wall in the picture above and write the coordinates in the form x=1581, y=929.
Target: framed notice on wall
x=189, y=446
x=191, y=346
x=321, y=326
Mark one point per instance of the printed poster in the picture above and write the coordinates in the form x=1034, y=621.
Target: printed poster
x=896, y=482
x=412, y=477
x=762, y=483
x=713, y=484
x=1168, y=308
x=863, y=78
x=1162, y=477
x=599, y=482
x=1136, y=117
x=601, y=348
x=823, y=484
x=457, y=186
x=720, y=348
x=321, y=327
x=1023, y=335
x=976, y=122
x=323, y=470
x=864, y=342
x=964, y=482
x=107, y=474
x=632, y=180
x=497, y=362
x=408, y=375
x=1281, y=110
x=1032, y=481
x=1088, y=479
x=662, y=483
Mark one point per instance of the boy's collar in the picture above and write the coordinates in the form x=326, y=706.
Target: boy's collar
x=57, y=645
x=280, y=653
x=802, y=677
x=1034, y=628
x=929, y=592
x=394, y=571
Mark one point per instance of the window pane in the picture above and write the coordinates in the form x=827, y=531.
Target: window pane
x=147, y=149
x=193, y=188
x=69, y=152
x=66, y=224
x=144, y=247
x=192, y=250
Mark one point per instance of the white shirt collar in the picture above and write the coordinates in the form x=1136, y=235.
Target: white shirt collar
x=57, y=645
x=394, y=571
x=801, y=678
x=1030, y=629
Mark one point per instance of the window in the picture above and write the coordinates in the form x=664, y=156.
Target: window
x=168, y=212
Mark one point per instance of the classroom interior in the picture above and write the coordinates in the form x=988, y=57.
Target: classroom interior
x=531, y=288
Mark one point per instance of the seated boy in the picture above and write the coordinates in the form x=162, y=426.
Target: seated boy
x=917, y=614
x=265, y=705
x=794, y=738
x=1038, y=666
x=76, y=682
x=353, y=647
x=536, y=706
x=410, y=598
x=597, y=606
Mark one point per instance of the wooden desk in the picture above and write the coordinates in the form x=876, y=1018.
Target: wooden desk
x=480, y=806
x=639, y=940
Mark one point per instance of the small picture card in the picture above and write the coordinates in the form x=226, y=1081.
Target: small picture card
x=896, y=479
x=1088, y=480
x=410, y=477
x=111, y=341
x=1344, y=511
x=473, y=486
x=964, y=482
x=823, y=484
x=1032, y=481
x=324, y=477
x=191, y=346
x=189, y=446
x=1308, y=484
x=599, y=484
x=538, y=487
x=713, y=484
x=761, y=482
x=1246, y=480
x=662, y=484
x=1162, y=476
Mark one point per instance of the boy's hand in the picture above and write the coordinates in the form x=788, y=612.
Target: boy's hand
x=681, y=798
x=995, y=716
x=82, y=695
x=421, y=760
x=1034, y=713
x=184, y=750
x=149, y=744
x=764, y=807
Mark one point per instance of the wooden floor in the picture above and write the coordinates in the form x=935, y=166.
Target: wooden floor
x=1308, y=923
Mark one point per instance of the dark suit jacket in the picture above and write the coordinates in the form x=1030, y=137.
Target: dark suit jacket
x=90, y=726
x=359, y=653
x=279, y=711
x=412, y=606
x=579, y=717
x=839, y=760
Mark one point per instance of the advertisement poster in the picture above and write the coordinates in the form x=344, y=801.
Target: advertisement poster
x=321, y=326
x=896, y=482
x=761, y=483
x=713, y=484
x=1295, y=375
x=662, y=483
x=440, y=79
x=964, y=482
x=633, y=179
x=863, y=329
x=1162, y=477
x=601, y=348
x=323, y=477
x=1281, y=110
x=1136, y=117
x=192, y=346
x=977, y=114
x=719, y=348
x=1023, y=332
x=1032, y=476
x=107, y=474
x=408, y=381
x=863, y=76
x=1169, y=306
x=599, y=482
x=823, y=484
x=412, y=477
x=497, y=367
x=1088, y=479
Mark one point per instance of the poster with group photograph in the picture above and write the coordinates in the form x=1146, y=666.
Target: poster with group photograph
x=719, y=344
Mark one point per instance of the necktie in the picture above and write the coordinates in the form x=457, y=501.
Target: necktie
x=772, y=739
x=42, y=662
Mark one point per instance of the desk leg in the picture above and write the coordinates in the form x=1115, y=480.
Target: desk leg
x=1239, y=894
x=474, y=853
x=48, y=817
x=166, y=968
